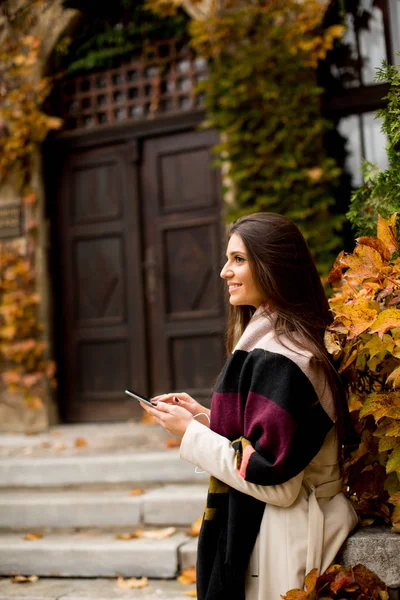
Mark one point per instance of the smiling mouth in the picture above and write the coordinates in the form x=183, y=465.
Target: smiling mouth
x=232, y=288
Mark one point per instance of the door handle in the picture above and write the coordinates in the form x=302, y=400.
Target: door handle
x=151, y=269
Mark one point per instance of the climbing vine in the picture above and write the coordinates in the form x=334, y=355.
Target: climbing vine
x=23, y=126
x=262, y=96
x=110, y=33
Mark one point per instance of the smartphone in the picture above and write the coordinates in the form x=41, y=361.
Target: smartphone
x=139, y=398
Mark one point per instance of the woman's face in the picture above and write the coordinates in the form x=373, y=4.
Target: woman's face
x=242, y=287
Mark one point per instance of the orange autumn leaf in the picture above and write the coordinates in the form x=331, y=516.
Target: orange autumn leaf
x=136, y=492
x=172, y=443
x=126, y=536
x=24, y=579
x=133, y=583
x=195, y=527
x=311, y=580
x=191, y=593
x=387, y=319
x=32, y=536
x=364, y=263
x=376, y=244
x=387, y=232
x=80, y=442
x=147, y=419
x=187, y=576
x=336, y=273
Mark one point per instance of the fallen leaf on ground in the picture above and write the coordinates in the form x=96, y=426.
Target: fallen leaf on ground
x=33, y=536
x=187, y=576
x=80, y=442
x=191, y=593
x=147, y=419
x=60, y=446
x=126, y=536
x=172, y=443
x=156, y=534
x=195, y=527
x=136, y=492
x=23, y=579
x=132, y=583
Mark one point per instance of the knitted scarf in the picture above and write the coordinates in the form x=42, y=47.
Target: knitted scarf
x=265, y=403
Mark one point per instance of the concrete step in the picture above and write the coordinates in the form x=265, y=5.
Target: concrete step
x=90, y=554
x=91, y=589
x=167, y=505
x=141, y=467
x=84, y=439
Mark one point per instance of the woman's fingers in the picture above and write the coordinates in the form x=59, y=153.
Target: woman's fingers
x=171, y=398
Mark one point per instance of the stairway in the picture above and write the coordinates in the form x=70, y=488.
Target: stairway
x=73, y=490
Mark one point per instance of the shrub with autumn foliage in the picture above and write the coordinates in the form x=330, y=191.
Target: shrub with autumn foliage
x=356, y=582
x=25, y=369
x=365, y=339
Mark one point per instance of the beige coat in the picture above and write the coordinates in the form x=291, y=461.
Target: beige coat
x=306, y=519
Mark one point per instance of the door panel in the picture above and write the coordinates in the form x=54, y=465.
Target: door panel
x=103, y=323
x=183, y=248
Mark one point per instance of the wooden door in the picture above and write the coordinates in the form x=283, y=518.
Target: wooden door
x=183, y=250
x=104, y=342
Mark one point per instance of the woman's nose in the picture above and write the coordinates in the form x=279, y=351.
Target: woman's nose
x=226, y=272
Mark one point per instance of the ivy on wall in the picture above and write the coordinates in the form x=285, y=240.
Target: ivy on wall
x=263, y=98
x=25, y=369
x=110, y=33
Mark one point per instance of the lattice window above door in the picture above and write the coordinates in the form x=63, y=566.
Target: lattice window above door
x=161, y=81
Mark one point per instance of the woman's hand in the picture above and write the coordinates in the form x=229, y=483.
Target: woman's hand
x=187, y=402
x=173, y=419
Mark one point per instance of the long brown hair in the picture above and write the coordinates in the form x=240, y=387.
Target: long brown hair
x=285, y=273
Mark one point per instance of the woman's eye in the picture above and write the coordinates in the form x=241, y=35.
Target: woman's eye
x=239, y=259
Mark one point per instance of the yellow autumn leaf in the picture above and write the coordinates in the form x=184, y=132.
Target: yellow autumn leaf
x=364, y=263
x=360, y=316
x=387, y=232
x=375, y=345
x=332, y=344
x=387, y=319
x=389, y=428
x=191, y=593
x=393, y=464
x=394, y=377
x=156, y=534
x=136, y=492
x=380, y=404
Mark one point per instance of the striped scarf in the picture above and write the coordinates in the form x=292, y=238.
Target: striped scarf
x=266, y=405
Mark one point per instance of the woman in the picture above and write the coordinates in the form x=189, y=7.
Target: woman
x=275, y=508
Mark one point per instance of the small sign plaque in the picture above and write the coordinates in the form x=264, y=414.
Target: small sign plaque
x=10, y=221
